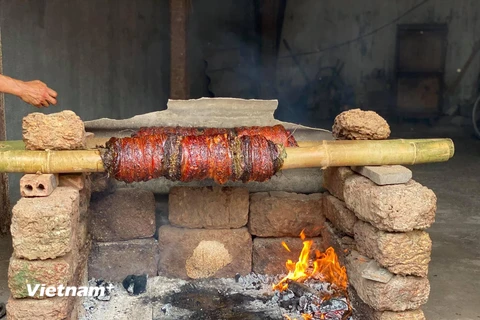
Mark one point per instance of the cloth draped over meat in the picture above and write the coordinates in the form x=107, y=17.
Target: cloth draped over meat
x=187, y=154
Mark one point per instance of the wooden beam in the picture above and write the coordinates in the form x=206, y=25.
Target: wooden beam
x=5, y=213
x=179, y=83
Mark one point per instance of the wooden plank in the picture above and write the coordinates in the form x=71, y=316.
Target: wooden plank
x=179, y=83
x=5, y=213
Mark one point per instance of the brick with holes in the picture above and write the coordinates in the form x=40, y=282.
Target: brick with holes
x=38, y=185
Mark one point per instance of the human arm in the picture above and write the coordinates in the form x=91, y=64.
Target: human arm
x=34, y=92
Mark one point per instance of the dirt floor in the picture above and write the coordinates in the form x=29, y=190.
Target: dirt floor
x=455, y=267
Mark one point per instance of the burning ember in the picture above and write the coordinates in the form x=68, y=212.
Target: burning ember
x=324, y=268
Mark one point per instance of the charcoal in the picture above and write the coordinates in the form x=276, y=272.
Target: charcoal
x=135, y=285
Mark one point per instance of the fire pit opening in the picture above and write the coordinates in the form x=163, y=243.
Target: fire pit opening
x=355, y=250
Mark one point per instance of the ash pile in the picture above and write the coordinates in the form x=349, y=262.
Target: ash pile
x=310, y=300
x=249, y=297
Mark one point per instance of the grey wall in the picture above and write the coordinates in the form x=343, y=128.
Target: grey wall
x=105, y=58
x=223, y=47
x=311, y=25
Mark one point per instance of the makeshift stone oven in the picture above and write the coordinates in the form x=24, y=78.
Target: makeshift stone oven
x=373, y=217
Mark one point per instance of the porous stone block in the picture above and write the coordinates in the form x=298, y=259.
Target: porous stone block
x=43, y=228
x=342, y=245
x=50, y=272
x=81, y=182
x=383, y=175
x=113, y=261
x=208, y=207
x=401, y=293
x=400, y=207
x=74, y=180
x=270, y=256
x=338, y=214
x=334, y=180
x=204, y=253
x=405, y=253
x=57, y=131
x=284, y=214
x=405, y=315
x=56, y=308
x=124, y=215
x=362, y=311
x=357, y=124
x=38, y=185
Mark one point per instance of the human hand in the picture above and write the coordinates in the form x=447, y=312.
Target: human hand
x=37, y=94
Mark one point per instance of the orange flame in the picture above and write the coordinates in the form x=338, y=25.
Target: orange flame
x=286, y=246
x=326, y=267
x=304, y=316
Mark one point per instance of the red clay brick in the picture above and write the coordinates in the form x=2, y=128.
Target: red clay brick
x=38, y=185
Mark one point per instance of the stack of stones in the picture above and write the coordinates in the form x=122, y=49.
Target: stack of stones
x=122, y=226
x=49, y=226
x=376, y=221
x=379, y=227
x=224, y=231
x=209, y=232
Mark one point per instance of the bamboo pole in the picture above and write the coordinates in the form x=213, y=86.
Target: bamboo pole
x=14, y=157
x=336, y=153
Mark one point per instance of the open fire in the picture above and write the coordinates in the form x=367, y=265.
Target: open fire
x=323, y=267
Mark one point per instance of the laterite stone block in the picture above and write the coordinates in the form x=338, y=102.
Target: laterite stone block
x=208, y=207
x=334, y=180
x=50, y=272
x=38, y=185
x=204, y=253
x=44, y=228
x=56, y=308
x=339, y=215
x=399, y=294
x=399, y=207
x=124, y=215
x=113, y=261
x=405, y=253
x=57, y=131
x=285, y=214
x=74, y=180
x=405, y=315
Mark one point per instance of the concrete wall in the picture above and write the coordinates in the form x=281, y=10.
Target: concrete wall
x=105, y=58
x=223, y=47
x=311, y=25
